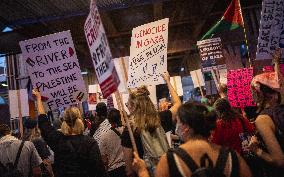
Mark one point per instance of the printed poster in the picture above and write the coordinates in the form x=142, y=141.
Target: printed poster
x=211, y=54
x=54, y=69
x=148, y=54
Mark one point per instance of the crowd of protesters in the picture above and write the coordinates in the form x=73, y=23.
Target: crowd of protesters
x=215, y=138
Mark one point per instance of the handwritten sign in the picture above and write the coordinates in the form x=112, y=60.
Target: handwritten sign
x=210, y=51
x=54, y=69
x=271, y=31
x=197, y=78
x=239, y=93
x=148, y=54
x=100, y=52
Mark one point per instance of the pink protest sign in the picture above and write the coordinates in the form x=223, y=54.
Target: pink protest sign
x=239, y=93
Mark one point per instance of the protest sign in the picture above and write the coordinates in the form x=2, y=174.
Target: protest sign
x=95, y=97
x=177, y=84
x=197, y=78
x=148, y=54
x=18, y=102
x=239, y=92
x=223, y=76
x=211, y=54
x=121, y=66
x=54, y=69
x=271, y=30
x=100, y=52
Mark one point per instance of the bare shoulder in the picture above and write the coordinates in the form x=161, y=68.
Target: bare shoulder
x=162, y=169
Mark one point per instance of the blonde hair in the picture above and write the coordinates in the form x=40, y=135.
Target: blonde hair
x=145, y=114
x=72, y=122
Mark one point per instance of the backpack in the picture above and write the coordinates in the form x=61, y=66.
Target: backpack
x=154, y=146
x=10, y=170
x=277, y=116
x=203, y=170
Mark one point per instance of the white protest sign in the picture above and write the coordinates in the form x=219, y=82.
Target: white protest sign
x=271, y=30
x=14, y=103
x=121, y=64
x=223, y=76
x=197, y=78
x=100, y=52
x=148, y=54
x=54, y=69
x=177, y=84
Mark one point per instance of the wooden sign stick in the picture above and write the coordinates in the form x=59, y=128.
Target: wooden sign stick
x=21, y=128
x=120, y=101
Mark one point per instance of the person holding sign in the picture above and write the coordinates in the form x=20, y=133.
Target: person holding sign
x=148, y=131
x=75, y=154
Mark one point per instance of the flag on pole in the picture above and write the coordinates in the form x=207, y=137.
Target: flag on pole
x=231, y=20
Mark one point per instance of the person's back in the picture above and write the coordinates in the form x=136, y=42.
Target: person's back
x=230, y=126
x=227, y=133
x=75, y=154
x=29, y=160
x=197, y=149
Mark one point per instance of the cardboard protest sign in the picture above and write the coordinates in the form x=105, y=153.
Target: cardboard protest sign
x=197, y=78
x=211, y=54
x=148, y=54
x=121, y=66
x=223, y=76
x=177, y=84
x=54, y=69
x=239, y=92
x=271, y=30
x=100, y=52
x=14, y=102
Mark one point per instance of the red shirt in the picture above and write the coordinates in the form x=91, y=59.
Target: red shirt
x=227, y=133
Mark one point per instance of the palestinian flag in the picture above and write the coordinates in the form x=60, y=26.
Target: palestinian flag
x=232, y=19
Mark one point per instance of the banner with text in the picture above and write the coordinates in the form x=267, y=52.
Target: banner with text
x=54, y=69
x=271, y=30
x=100, y=52
x=211, y=54
x=148, y=54
x=239, y=92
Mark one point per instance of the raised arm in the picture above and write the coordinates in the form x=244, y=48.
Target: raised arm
x=40, y=107
x=48, y=132
x=174, y=95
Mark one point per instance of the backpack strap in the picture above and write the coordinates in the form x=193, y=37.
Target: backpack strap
x=235, y=164
x=115, y=131
x=222, y=159
x=173, y=169
x=203, y=160
x=19, y=154
x=187, y=159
